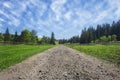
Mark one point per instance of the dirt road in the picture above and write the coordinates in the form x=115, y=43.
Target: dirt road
x=61, y=63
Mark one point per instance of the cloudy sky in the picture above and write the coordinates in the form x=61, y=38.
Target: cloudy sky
x=63, y=17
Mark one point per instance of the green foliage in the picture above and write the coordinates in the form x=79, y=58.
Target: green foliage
x=45, y=40
x=1, y=37
x=16, y=38
x=102, y=32
x=97, y=41
x=74, y=39
x=56, y=42
x=33, y=36
x=104, y=39
x=110, y=53
x=88, y=35
x=7, y=36
x=62, y=41
x=113, y=37
x=109, y=38
x=25, y=36
x=10, y=55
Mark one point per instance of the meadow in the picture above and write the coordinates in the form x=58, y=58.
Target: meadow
x=12, y=54
x=109, y=53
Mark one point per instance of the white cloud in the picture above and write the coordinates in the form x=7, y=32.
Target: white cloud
x=118, y=12
x=99, y=6
x=83, y=17
x=7, y=4
x=60, y=16
x=101, y=16
x=15, y=13
x=57, y=7
x=13, y=21
x=3, y=13
x=16, y=22
x=2, y=20
x=101, y=12
x=68, y=15
x=114, y=6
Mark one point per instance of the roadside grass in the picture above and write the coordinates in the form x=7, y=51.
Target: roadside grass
x=107, y=52
x=12, y=54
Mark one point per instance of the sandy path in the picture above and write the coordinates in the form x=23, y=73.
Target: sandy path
x=61, y=63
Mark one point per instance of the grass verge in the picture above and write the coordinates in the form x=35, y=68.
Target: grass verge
x=110, y=53
x=12, y=54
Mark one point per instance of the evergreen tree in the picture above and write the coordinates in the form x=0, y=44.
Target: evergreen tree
x=82, y=38
x=16, y=38
x=1, y=37
x=105, y=31
x=52, y=41
x=118, y=30
x=98, y=31
x=33, y=36
x=74, y=39
x=62, y=41
x=7, y=35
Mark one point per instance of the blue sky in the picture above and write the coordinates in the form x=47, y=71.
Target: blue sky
x=63, y=17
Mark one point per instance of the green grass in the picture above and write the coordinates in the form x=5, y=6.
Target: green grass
x=12, y=54
x=110, y=53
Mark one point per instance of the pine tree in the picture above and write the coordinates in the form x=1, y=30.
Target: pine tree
x=7, y=35
x=16, y=38
x=52, y=41
x=1, y=37
x=33, y=36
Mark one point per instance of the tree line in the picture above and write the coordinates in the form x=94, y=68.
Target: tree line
x=102, y=33
x=26, y=37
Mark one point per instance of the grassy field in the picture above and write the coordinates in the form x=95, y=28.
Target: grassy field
x=110, y=53
x=10, y=55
